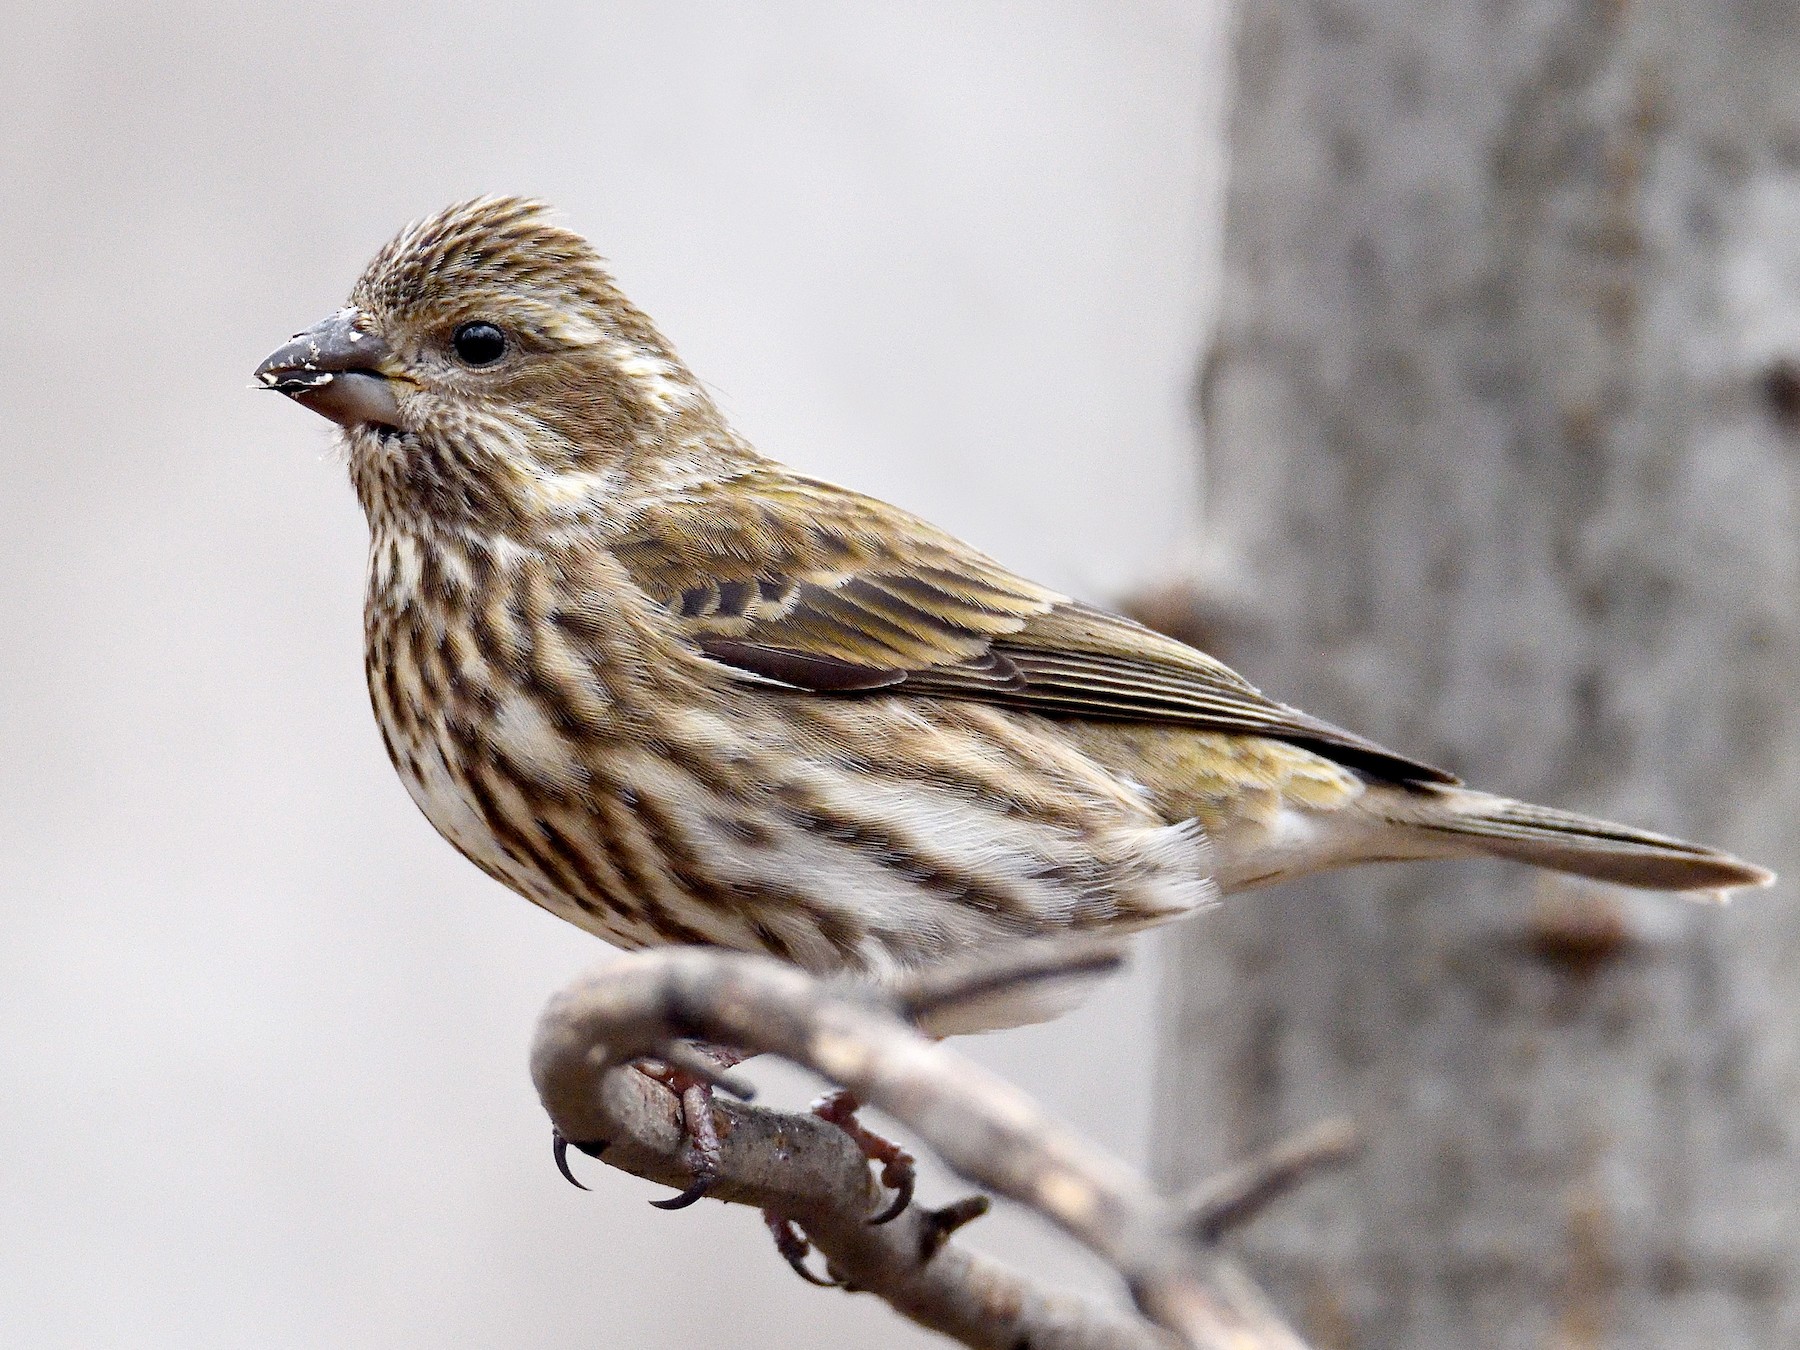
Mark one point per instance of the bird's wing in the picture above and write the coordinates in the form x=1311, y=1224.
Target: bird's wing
x=814, y=587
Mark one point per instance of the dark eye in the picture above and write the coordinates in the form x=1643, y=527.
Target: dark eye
x=479, y=344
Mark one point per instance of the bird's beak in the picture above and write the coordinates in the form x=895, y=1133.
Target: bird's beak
x=340, y=369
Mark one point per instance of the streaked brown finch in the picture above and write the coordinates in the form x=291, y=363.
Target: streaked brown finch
x=677, y=693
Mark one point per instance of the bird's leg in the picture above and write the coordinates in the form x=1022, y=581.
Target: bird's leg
x=693, y=1089
x=897, y=1173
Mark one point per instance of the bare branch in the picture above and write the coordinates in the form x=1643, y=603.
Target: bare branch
x=1228, y=1201
x=809, y=1172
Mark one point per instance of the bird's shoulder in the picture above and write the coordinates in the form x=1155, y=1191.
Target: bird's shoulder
x=797, y=579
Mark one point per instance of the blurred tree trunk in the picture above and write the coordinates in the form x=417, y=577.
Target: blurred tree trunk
x=1503, y=434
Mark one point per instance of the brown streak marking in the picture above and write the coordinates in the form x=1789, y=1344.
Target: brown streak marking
x=516, y=839
x=431, y=573
x=594, y=895
x=836, y=930
x=767, y=895
x=565, y=696
x=771, y=940
x=678, y=855
x=742, y=830
x=936, y=765
x=1069, y=809
x=640, y=867
x=405, y=717
x=507, y=658
x=481, y=567
x=909, y=857
x=566, y=700
x=409, y=655
x=516, y=848
x=437, y=680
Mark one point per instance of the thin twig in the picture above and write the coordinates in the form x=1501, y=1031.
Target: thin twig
x=806, y=1170
x=1234, y=1198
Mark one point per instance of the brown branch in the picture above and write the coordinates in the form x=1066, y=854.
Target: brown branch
x=1234, y=1198
x=808, y=1171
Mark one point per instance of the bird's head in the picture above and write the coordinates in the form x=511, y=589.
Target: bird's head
x=486, y=360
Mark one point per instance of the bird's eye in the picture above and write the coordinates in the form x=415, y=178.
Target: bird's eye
x=479, y=343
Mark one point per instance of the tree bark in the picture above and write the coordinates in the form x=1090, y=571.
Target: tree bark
x=1502, y=421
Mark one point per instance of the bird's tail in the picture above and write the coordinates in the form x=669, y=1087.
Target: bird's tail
x=1477, y=822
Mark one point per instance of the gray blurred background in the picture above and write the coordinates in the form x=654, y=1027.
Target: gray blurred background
x=262, y=1035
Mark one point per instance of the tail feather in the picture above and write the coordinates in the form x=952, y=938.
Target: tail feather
x=1582, y=845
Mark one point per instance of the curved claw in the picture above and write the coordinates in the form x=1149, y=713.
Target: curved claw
x=794, y=1249
x=822, y=1281
x=697, y=1189
x=559, y=1145
x=902, y=1179
x=897, y=1169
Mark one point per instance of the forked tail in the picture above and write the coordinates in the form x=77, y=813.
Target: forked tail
x=1566, y=842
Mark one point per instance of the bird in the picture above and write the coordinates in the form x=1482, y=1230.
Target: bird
x=678, y=693
x=675, y=692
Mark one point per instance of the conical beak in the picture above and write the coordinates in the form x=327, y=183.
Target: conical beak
x=339, y=369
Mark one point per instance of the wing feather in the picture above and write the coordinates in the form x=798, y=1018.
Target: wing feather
x=814, y=587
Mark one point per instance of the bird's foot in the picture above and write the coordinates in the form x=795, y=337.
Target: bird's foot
x=898, y=1172
x=794, y=1249
x=691, y=1078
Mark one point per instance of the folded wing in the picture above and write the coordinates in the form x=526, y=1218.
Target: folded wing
x=813, y=587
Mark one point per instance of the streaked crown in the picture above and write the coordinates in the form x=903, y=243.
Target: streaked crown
x=506, y=252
